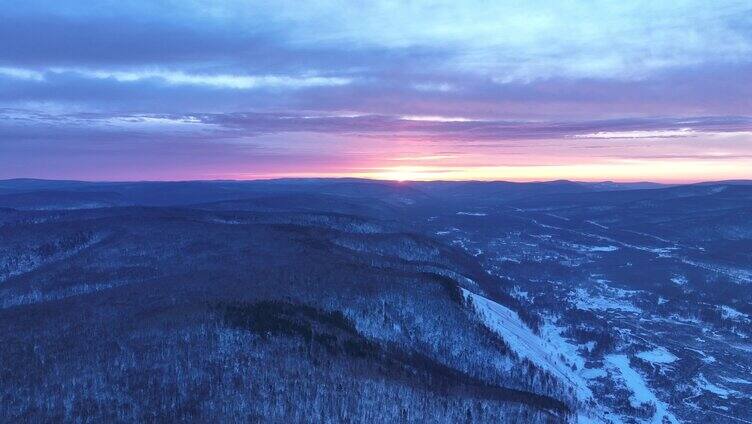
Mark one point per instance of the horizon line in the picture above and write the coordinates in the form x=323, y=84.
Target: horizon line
x=342, y=178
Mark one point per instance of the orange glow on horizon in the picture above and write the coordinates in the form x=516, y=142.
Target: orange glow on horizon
x=712, y=157
x=665, y=171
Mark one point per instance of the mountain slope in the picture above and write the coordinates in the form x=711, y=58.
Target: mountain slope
x=166, y=314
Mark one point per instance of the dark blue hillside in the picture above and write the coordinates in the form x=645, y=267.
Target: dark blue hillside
x=146, y=314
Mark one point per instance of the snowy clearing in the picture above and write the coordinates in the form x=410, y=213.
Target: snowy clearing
x=658, y=355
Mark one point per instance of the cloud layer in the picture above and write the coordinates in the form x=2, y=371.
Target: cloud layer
x=257, y=88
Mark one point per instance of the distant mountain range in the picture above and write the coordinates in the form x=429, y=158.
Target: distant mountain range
x=34, y=193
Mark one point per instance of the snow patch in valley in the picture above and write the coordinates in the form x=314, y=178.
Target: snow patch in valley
x=731, y=313
x=593, y=373
x=519, y=294
x=597, y=224
x=224, y=221
x=585, y=248
x=603, y=248
x=679, y=280
x=509, y=259
x=589, y=302
x=641, y=393
x=461, y=242
x=736, y=380
x=658, y=355
x=705, y=357
x=472, y=213
x=707, y=386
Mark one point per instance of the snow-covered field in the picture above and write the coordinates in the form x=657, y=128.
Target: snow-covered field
x=658, y=355
x=641, y=392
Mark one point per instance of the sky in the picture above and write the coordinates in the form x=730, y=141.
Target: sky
x=404, y=90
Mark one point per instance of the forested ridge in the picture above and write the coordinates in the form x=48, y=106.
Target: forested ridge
x=184, y=314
